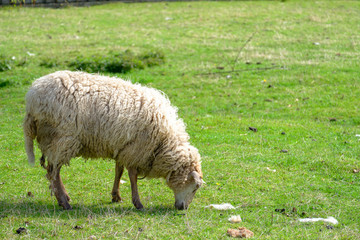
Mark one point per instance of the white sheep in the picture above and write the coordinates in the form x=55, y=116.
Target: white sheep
x=79, y=114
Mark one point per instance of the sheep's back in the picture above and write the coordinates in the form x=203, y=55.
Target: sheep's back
x=112, y=118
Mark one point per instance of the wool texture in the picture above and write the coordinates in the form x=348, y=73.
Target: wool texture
x=80, y=114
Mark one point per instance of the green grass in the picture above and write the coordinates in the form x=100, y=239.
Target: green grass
x=311, y=52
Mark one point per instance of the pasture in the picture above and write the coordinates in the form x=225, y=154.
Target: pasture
x=289, y=70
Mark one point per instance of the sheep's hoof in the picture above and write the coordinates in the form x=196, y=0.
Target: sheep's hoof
x=140, y=209
x=66, y=206
x=116, y=201
x=139, y=206
x=137, y=203
x=116, y=198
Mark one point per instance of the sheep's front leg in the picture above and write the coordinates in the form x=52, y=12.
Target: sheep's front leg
x=134, y=190
x=58, y=187
x=119, y=169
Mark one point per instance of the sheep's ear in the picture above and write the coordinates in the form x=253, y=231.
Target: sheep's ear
x=195, y=175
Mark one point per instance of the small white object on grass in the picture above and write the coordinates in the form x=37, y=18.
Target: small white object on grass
x=30, y=54
x=329, y=220
x=223, y=206
x=271, y=170
x=235, y=219
x=122, y=181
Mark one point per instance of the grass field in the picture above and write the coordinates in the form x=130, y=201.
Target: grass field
x=289, y=69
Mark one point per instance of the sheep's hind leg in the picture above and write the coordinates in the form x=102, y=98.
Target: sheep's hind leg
x=134, y=190
x=58, y=178
x=58, y=188
x=119, y=169
x=60, y=192
x=61, y=186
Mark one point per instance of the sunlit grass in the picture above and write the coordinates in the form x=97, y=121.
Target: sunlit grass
x=297, y=75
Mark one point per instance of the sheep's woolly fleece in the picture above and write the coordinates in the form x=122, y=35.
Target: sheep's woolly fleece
x=79, y=114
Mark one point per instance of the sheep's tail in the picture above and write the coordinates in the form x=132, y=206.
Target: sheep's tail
x=29, y=134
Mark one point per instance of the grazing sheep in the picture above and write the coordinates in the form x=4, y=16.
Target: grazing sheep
x=79, y=114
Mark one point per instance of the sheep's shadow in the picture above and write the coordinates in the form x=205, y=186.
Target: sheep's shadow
x=39, y=208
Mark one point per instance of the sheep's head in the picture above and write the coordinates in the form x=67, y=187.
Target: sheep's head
x=184, y=196
x=185, y=184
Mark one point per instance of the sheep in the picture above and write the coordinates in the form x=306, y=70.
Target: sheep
x=80, y=114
